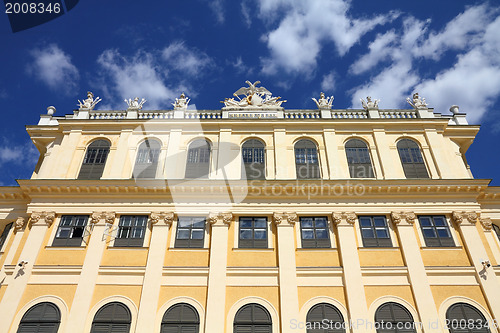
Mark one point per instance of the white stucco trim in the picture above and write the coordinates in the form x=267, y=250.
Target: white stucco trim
x=257, y=300
x=461, y=299
x=56, y=300
x=323, y=299
x=181, y=299
x=116, y=298
x=395, y=299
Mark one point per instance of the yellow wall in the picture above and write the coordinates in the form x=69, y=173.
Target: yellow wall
x=103, y=291
x=61, y=257
x=306, y=293
x=198, y=293
x=441, y=293
x=317, y=258
x=374, y=292
x=443, y=257
x=124, y=257
x=392, y=257
x=187, y=258
x=64, y=291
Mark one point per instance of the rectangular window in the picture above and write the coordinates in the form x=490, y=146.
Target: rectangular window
x=253, y=232
x=436, y=231
x=5, y=233
x=314, y=232
x=70, y=230
x=374, y=231
x=190, y=232
x=131, y=230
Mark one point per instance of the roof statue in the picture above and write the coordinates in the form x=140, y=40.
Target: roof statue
x=324, y=103
x=181, y=103
x=134, y=104
x=89, y=102
x=370, y=104
x=255, y=97
x=416, y=102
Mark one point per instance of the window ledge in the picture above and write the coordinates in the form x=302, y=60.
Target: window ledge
x=192, y=249
x=378, y=248
x=442, y=247
x=50, y=247
x=238, y=249
x=316, y=249
x=118, y=248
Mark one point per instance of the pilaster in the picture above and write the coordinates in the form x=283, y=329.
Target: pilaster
x=417, y=275
x=216, y=298
x=229, y=159
x=160, y=224
x=491, y=236
x=175, y=163
x=333, y=155
x=90, y=271
x=353, y=280
x=287, y=269
x=39, y=223
x=388, y=155
x=466, y=222
x=121, y=160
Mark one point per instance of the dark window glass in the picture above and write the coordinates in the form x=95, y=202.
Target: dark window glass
x=495, y=227
x=146, y=162
x=252, y=318
x=323, y=313
x=112, y=318
x=253, y=232
x=306, y=160
x=70, y=230
x=464, y=318
x=314, y=232
x=392, y=317
x=95, y=160
x=358, y=159
x=374, y=231
x=5, y=233
x=131, y=230
x=254, y=166
x=41, y=318
x=180, y=318
x=436, y=231
x=198, y=160
x=190, y=232
x=411, y=158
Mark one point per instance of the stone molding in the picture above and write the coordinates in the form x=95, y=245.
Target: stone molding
x=220, y=219
x=283, y=219
x=486, y=223
x=403, y=218
x=108, y=217
x=47, y=217
x=19, y=223
x=166, y=217
x=344, y=219
x=464, y=217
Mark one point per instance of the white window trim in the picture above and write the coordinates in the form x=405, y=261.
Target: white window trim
x=257, y=300
x=115, y=227
x=56, y=300
x=174, y=235
x=461, y=299
x=395, y=299
x=390, y=227
x=237, y=233
x=333, y=242
x=451, y=227
x=122, y=299
x=328, y=300
x=181, y=299
x=55, y=227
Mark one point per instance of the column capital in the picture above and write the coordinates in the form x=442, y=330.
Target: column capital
x=166, y=217
x=106, y=217
x=47, y=217
x=220, y=219
x=344, y=219
x=403, y=218
x=20, y=222
x=462, y=218
x=486, y=223
x=282, y=219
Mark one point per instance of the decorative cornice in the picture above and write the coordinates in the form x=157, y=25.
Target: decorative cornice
x=460, y=217
x=403, y=218
x=47, y=217
x=166, y=217
x=285, y=218
x=108, y=217
x=345, y=218
x=486, y=223
x=20, y=222
x=220, y=219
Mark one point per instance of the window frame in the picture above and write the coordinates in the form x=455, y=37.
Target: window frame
x=379, y=242
x=452, y=242
x=253, y=243
x=252, y=322
x=314, y=167
x=179, y=324
x=194, y=169
x=410, y=152
x=358, y=151
x=394, y=324
x=190, y=243
x=246, y=166
x=323, y=306
x=466, y=318
x=70, y=241
x=324, y=243
x=149, y=169
x=131, y=241
x=100, y=146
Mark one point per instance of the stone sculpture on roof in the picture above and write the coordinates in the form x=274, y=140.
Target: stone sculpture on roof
x=134, y=104
x=181, y=103
x=254, y=97
x=370, y=104
x=89, y=102
x=416, y=102
x=324, y=103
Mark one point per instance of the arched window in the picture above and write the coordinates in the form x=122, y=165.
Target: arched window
x=95, y=160
x=411, y=158
x=146, y=162
x=112, y=318
x=5, y=234
x=358, y=158
x=41, y=318
x=316, y=318
x=253, y=318
x=497, y=230
x=198, y=160
x=464, y=318
x=180, y=318
x=306, y=159
x=254, y=165
x=393, y=317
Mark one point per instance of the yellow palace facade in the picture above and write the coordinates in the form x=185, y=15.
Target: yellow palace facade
x=252, y=218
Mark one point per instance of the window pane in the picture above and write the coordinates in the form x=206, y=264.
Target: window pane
x=246, y=234
x=367, y=233
x=63, y=233
x=425, y=221
x=260, y=224
x=183, y=234
x=199, y=224
x=307, y=234
x=429, y=232
x=443, y=232
x=439, y=221
x=185, y=223
x=306, y=222
x=260, y=234
x=246, y=224
x=320, y=223
x=379, y=221
x=197, y=234
x=382, y=233
x=365, y=221
x=321, y=233
x=77, y=232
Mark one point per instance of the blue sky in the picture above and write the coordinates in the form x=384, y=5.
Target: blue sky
x=448, y=51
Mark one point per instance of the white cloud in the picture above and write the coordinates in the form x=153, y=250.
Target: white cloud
x=245, y=11
x=217, y=7
x=306, y=27
x=328, y=82
x=18, y=154
x=54, y=68
x=135, y=76
x=179, y=57
x=379, y=50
